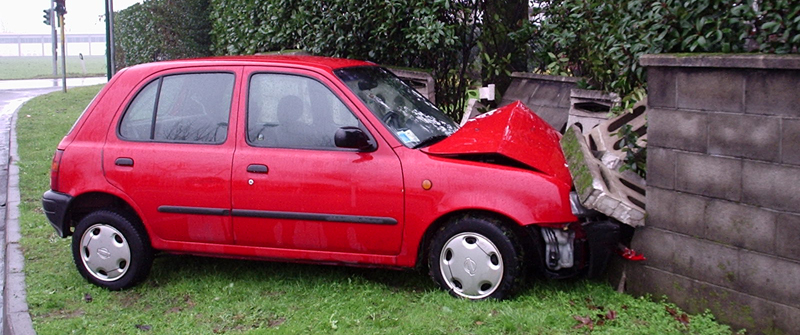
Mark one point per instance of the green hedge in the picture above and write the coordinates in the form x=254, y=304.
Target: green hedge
x=406, y=33
x=162, y=29
x=603, y=40
x=463, y=42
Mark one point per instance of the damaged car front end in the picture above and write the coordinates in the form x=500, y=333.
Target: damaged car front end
x=514, y=135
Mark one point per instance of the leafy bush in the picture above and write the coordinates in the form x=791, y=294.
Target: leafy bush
x=162, y=29
x=407, y=33
x=602, y=41
x=774, y=25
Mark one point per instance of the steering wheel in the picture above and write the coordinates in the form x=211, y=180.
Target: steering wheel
x=392, y=119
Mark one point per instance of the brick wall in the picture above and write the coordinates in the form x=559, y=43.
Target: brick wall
x=723, y=189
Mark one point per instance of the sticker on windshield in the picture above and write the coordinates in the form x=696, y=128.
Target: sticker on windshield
x=407, y=136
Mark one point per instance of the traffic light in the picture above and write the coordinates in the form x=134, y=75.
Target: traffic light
x=61, y=7
x=47, y=15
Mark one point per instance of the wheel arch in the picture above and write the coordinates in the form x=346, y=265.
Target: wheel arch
x=87, y=203
x=517, y=228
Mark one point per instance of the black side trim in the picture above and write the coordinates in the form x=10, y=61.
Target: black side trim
x=194, y=210
x=314, y=217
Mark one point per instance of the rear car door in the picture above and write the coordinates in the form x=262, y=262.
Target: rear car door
x=171, y=153
x=293, y=189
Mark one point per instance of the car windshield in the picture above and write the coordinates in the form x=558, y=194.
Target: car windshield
x=414, y=120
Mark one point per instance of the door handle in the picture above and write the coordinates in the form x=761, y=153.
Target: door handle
x=257, y=168
x=124, y=161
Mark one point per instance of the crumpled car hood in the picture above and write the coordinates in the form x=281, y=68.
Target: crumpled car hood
x=513, y=131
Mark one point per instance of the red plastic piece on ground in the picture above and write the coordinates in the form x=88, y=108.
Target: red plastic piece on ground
x=630, y=254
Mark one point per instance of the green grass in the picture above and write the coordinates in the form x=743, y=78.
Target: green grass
x=193, y=295
x=42, y=67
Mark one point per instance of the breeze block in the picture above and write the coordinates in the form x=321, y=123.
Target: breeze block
x=599, y=187
x=602, y=138
x=590, y=107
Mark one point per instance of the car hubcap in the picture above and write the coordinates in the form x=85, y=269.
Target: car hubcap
x=471, y=265
x=105, y=252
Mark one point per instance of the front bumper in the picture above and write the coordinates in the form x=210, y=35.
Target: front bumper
x=55, y=206
x=582, y=249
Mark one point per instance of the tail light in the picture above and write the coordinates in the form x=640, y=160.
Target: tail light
x=54, y=169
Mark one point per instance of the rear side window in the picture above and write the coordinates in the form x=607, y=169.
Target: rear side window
x=186, y=108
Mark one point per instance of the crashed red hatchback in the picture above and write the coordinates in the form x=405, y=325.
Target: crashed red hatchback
x=309, y=159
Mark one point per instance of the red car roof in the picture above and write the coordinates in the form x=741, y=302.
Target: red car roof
x=325, y=63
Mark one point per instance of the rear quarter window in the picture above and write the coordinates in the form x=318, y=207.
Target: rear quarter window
x=185, y=108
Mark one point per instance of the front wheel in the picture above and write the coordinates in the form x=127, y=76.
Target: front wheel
x=111, y=251
x=476, y=258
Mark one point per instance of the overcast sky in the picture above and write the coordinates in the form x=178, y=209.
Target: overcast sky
x=83, y=16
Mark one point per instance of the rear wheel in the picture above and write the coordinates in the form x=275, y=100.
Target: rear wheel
x=111, y=250
x=476, y=258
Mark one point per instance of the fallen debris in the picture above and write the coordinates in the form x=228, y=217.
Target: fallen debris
x=600, y=186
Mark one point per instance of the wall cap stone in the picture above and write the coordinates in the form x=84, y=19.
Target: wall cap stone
x=741, y=61
x=527, y=75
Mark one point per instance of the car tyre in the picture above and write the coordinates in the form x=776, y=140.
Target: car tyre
x=476, y=258
x=111, y=250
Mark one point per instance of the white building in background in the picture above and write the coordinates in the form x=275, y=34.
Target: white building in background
x=14, y=45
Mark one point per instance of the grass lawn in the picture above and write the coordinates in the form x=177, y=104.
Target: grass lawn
x=42, y=67
x=193, y=295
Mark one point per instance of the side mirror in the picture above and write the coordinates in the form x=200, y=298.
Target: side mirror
x=353, y=138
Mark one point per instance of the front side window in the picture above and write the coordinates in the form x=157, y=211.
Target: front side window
x=191, y=108
x=289, y=111
x=414, y=120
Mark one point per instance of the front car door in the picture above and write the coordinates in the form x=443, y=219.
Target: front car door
x=292, y=188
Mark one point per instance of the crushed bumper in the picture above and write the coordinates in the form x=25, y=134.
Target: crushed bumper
x=581, y=250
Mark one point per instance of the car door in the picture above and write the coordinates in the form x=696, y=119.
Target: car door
x=292, y=188
x=171, y=154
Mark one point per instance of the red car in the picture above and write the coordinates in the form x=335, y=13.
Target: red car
x=310, y=159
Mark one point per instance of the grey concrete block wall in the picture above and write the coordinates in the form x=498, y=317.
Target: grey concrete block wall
x=787, y=235
x=547, y=96
x=790, y=137
x=771, y=185
x=747, y=136
x=723, y=194
x=677, y=129
x=712, y=176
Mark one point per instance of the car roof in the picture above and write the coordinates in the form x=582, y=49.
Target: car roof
x=322, y=63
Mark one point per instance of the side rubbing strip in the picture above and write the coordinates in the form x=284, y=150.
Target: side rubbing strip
x=314, y=217
x=194, y=210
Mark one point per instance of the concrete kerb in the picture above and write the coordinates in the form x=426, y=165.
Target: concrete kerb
x=16, y=318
